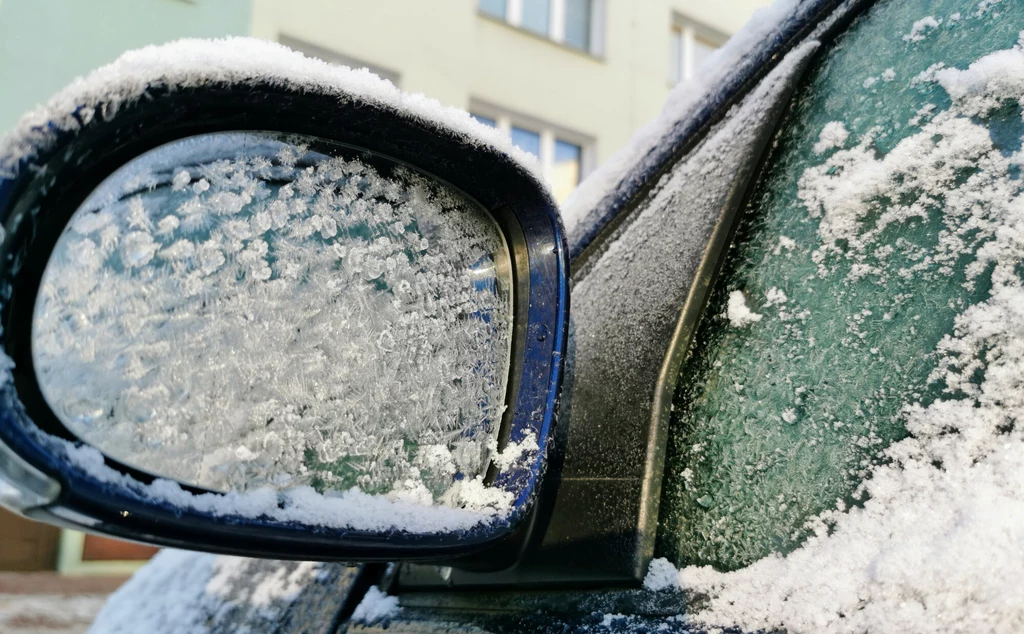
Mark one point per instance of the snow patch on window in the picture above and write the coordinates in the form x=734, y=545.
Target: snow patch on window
x=785, y=243
x=987, y=82
x=738, y=313
x=775, y=296
x=833, y=135
x=985, y=6
x=375, y=606
x=919, y=31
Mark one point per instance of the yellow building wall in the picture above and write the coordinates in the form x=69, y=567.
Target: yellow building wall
x=447, y=50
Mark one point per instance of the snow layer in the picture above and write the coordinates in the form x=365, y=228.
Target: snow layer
x=938, y=545
x=199, y=593
x=304, y=505
x=375, y=606
x=235, y=60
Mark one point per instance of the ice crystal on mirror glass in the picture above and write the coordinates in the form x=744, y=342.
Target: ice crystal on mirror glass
x=242, y=310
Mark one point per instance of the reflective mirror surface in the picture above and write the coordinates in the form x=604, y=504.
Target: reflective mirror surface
x=240, y=310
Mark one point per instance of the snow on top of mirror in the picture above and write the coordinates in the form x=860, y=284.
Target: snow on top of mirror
x=234, y=60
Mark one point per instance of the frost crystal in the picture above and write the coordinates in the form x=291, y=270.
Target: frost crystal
x=921, y=28
x=785, y=243
x=312, y=320
x=775, y=296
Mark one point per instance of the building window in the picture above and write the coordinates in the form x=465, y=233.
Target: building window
x=575, y=23
x=497, y=8
x=578, y=19
x=537, y=16
x=565, y=156
x=334, y=57
x=566, y=169
x=485, y=120
x=690, y=44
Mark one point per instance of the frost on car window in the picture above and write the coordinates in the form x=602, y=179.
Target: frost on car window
x=868, y=425
x=248, y=310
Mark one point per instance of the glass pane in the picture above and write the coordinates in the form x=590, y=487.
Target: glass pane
x=241, y=310
x=537, y=16
x=493, y=7
x=565, y=172
x=701, y=49
x=844, y=310
x=577, y=24
x=485, y=120
x=526, y=140
x=675, y=56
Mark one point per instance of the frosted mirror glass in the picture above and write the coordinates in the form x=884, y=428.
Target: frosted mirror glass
x=242, y=310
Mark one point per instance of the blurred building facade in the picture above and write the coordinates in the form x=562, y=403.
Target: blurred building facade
x=569, y=80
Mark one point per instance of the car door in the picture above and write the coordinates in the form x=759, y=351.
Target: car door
x=839, y=381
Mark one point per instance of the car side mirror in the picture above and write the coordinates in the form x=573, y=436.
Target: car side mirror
x=260, y=305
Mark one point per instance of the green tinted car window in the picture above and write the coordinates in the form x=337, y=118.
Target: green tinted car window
x=871, y=230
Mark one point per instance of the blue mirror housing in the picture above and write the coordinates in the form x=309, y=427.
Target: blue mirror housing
x=151, y=98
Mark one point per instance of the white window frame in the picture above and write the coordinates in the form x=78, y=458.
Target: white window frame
x=690, y=31
x=505, y=119
x=556, y=23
